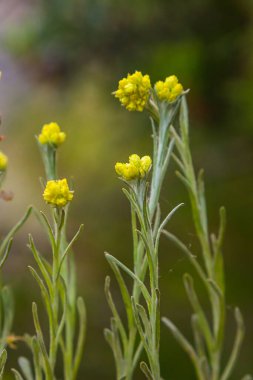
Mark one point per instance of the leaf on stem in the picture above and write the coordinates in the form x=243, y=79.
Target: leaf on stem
x=41, y=264
x=177, y=138
x=190, y=256
x=44, y=292
x=197, y=333
x=158, y=319
x=144, y=319
x=67, y=250
x=187, y=347
x=112, y=260
x=36, y=358
x=26, y=368
x=3, y=358
x=185, y=181
x=12, y=232
x=150, y=256
x=145, y=208
x=222, y=226
x=202, y=320
x=17, y=374
x=82, y=333
x=6, y=252
x=48, y=229
x=113, y=340
x=168, y=156
x=41, y=342
x=157, y=220
x=123, y=288
x=178, y=162
x=202, y=200
x=236, y=346
x=183, y=117
x=143, y=334
x=155, y=140
x=8, y=307
x=114, y=311
x=146, y=371
x=163, y=224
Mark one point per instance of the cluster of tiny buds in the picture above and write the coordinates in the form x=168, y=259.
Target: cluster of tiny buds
x=134, y=91
x=137, y=167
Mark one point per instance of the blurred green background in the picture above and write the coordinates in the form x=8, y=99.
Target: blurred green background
x=60, y=60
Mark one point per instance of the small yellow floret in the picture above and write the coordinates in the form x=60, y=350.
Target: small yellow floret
x=3, y=161
x=135, y=160
x=51, y=134
x=146, y=163
x=127, y=171
x=57, y=193
x=133, y=91
x=136, y=167
x=170, y=89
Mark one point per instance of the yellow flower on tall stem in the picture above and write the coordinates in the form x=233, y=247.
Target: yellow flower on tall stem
x=137, y=167
x=170, y=89
x=57, y=193
x=133, y=91
x=51, y=134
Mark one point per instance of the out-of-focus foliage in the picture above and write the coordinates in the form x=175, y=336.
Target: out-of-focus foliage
x=207, y=42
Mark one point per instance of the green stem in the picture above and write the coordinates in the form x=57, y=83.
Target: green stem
x=55, y=289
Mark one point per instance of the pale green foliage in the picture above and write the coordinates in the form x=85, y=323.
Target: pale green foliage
x=65, y=311
x=206, y=354
x=6, y=298
x=142, y=302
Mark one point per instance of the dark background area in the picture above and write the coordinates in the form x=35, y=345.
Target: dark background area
x=60, y=61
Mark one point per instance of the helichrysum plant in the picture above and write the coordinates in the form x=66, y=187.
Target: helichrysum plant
x=206, y=352
x=56, y=279
x=6, y=297
x=142, y=300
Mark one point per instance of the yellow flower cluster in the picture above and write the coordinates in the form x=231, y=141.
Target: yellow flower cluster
x=57, y=193
x=3, y=161
x=51, y=134
x=170, y=89
x=136, y=167
x=133, y=91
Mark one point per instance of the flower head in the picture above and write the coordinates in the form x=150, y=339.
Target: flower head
x=133, y=91
x=3, y=161
x=170, y=89
x=136, y=167
x=51, y=134
x=57, y=193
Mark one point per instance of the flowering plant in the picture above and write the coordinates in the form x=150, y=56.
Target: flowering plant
x=166, y=105
x=56, y=279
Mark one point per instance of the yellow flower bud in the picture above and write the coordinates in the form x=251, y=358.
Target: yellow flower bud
x=170, y=89
x=146, y=163
x=57, y=193
x=133, y=91
x=135, y=160
x=52, y=134
x=130, y=172
x=119, y=168
x=3, y=161
x=136, y=167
